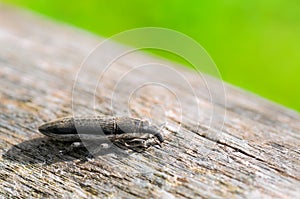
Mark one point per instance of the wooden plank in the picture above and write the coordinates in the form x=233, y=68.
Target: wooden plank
x=255, y=155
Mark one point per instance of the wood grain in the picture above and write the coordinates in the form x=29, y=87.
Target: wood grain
x=255, y=154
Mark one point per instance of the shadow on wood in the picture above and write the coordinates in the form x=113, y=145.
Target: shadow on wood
x=47, y=151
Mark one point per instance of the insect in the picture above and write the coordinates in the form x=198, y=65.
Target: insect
x=125, y=132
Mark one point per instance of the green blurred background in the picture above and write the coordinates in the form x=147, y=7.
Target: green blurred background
x=255, y=44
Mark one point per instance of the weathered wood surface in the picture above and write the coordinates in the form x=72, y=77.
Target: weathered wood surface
x=256, y=155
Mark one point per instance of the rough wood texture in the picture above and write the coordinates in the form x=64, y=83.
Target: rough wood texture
x=256, y=155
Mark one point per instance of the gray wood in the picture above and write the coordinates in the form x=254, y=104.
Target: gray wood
x=256, y=155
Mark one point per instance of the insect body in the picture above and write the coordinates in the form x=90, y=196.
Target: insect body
x=123, y=131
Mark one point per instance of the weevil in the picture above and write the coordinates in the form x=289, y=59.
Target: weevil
x=125, y=132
